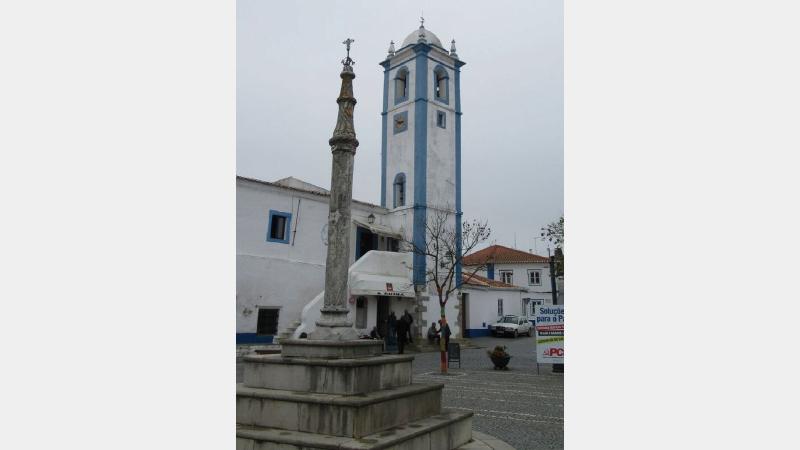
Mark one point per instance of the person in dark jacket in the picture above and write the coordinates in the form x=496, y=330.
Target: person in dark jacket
x=402, y=332
x=409, y=320
x=374, y=334
x=392, y=325
x=433, y=333
x=444, y=332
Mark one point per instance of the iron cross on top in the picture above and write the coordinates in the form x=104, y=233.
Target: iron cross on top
x=348, y=60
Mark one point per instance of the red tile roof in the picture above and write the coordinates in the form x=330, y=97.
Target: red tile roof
x=499, y=254
x=477, y=280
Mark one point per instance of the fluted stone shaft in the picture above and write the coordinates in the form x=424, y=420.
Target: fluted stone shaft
x=333, y=323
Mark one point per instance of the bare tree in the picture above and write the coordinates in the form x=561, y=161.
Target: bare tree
x=444, y=252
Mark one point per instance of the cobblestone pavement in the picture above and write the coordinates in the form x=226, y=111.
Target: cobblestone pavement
x=518, y=406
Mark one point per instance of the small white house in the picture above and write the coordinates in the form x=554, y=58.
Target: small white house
x=486, y=300
x=527, y=271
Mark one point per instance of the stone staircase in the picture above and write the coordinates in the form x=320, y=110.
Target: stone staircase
x=287, y=332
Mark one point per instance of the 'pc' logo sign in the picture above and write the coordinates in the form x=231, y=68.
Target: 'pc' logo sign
x=554, y=352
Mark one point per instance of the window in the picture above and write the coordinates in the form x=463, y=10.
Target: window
x=535, y=303
x=440, y=86
x=267, y=321
x=507, y=276
x=500, y=307
x=279, y=226
x=401, y=85
x=400, y=190
x=441, y=118
x=534, y=277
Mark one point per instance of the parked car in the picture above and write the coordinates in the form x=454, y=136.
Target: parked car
x=513, y=325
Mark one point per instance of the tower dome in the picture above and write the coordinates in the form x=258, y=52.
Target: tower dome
x=430, y=38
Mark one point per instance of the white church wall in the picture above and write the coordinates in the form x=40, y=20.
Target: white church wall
x=400, y=155
x=273, y=274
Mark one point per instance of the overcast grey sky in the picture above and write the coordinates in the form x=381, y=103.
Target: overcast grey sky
x=288, y=64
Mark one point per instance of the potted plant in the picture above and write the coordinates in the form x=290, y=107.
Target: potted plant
x=499, y=357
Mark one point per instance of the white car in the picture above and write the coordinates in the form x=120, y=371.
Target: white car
x=513, y=325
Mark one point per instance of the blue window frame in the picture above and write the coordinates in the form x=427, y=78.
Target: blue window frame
x=441, y=119
x=401, y=84
x=441, y=86
x=400, y=122
x=279, y=226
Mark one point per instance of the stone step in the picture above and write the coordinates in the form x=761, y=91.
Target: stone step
x=327, y=376
x=338, y=415
x=446, y=431
x=331, y=349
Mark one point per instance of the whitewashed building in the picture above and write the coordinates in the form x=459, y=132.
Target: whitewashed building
x=280, y=236
x=503, y=266
x=485, y=300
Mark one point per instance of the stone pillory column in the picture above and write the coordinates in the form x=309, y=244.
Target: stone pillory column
x=333, y=324
x=334, y=390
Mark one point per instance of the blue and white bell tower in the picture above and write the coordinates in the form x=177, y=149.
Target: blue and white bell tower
x=421, y=135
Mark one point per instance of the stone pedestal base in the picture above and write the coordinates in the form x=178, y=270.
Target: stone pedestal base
x=332, y=376
x=321, y=394
x=445, y=431
x=337, y=415
x=314, y=348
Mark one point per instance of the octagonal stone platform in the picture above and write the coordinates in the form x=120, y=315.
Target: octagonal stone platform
x=332, y=376
x=341, y=395
x=312, y=348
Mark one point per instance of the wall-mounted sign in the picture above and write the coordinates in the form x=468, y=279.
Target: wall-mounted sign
x=391, y=294
x=550, y=334
x=389, y=287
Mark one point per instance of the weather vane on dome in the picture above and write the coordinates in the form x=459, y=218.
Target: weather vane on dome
x=348, y=61
x=422, y=20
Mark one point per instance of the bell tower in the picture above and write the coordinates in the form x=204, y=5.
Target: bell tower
x=421, y=134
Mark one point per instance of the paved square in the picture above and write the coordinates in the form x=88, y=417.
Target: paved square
x=518, y=406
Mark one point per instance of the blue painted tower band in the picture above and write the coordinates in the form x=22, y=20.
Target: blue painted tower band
x=420, y=158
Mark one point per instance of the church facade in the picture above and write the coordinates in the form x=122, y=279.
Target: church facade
x=281, y=225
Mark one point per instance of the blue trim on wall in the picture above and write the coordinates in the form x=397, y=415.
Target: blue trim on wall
x=477, y=332
x=358, y=243
x=286, y=231
x=404, y=115
x=384, y=120
x=457, y=89
x=253, y=338
x=400, y=176
x=446, y=98
x=420, y=158
x=490, y=271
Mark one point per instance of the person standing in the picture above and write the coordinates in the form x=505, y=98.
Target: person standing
x=402, y=331
x=409, y=320
x=444, y=332
x=392, y=325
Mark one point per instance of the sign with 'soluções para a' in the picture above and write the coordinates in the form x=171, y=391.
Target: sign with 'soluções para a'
x=549, y=334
